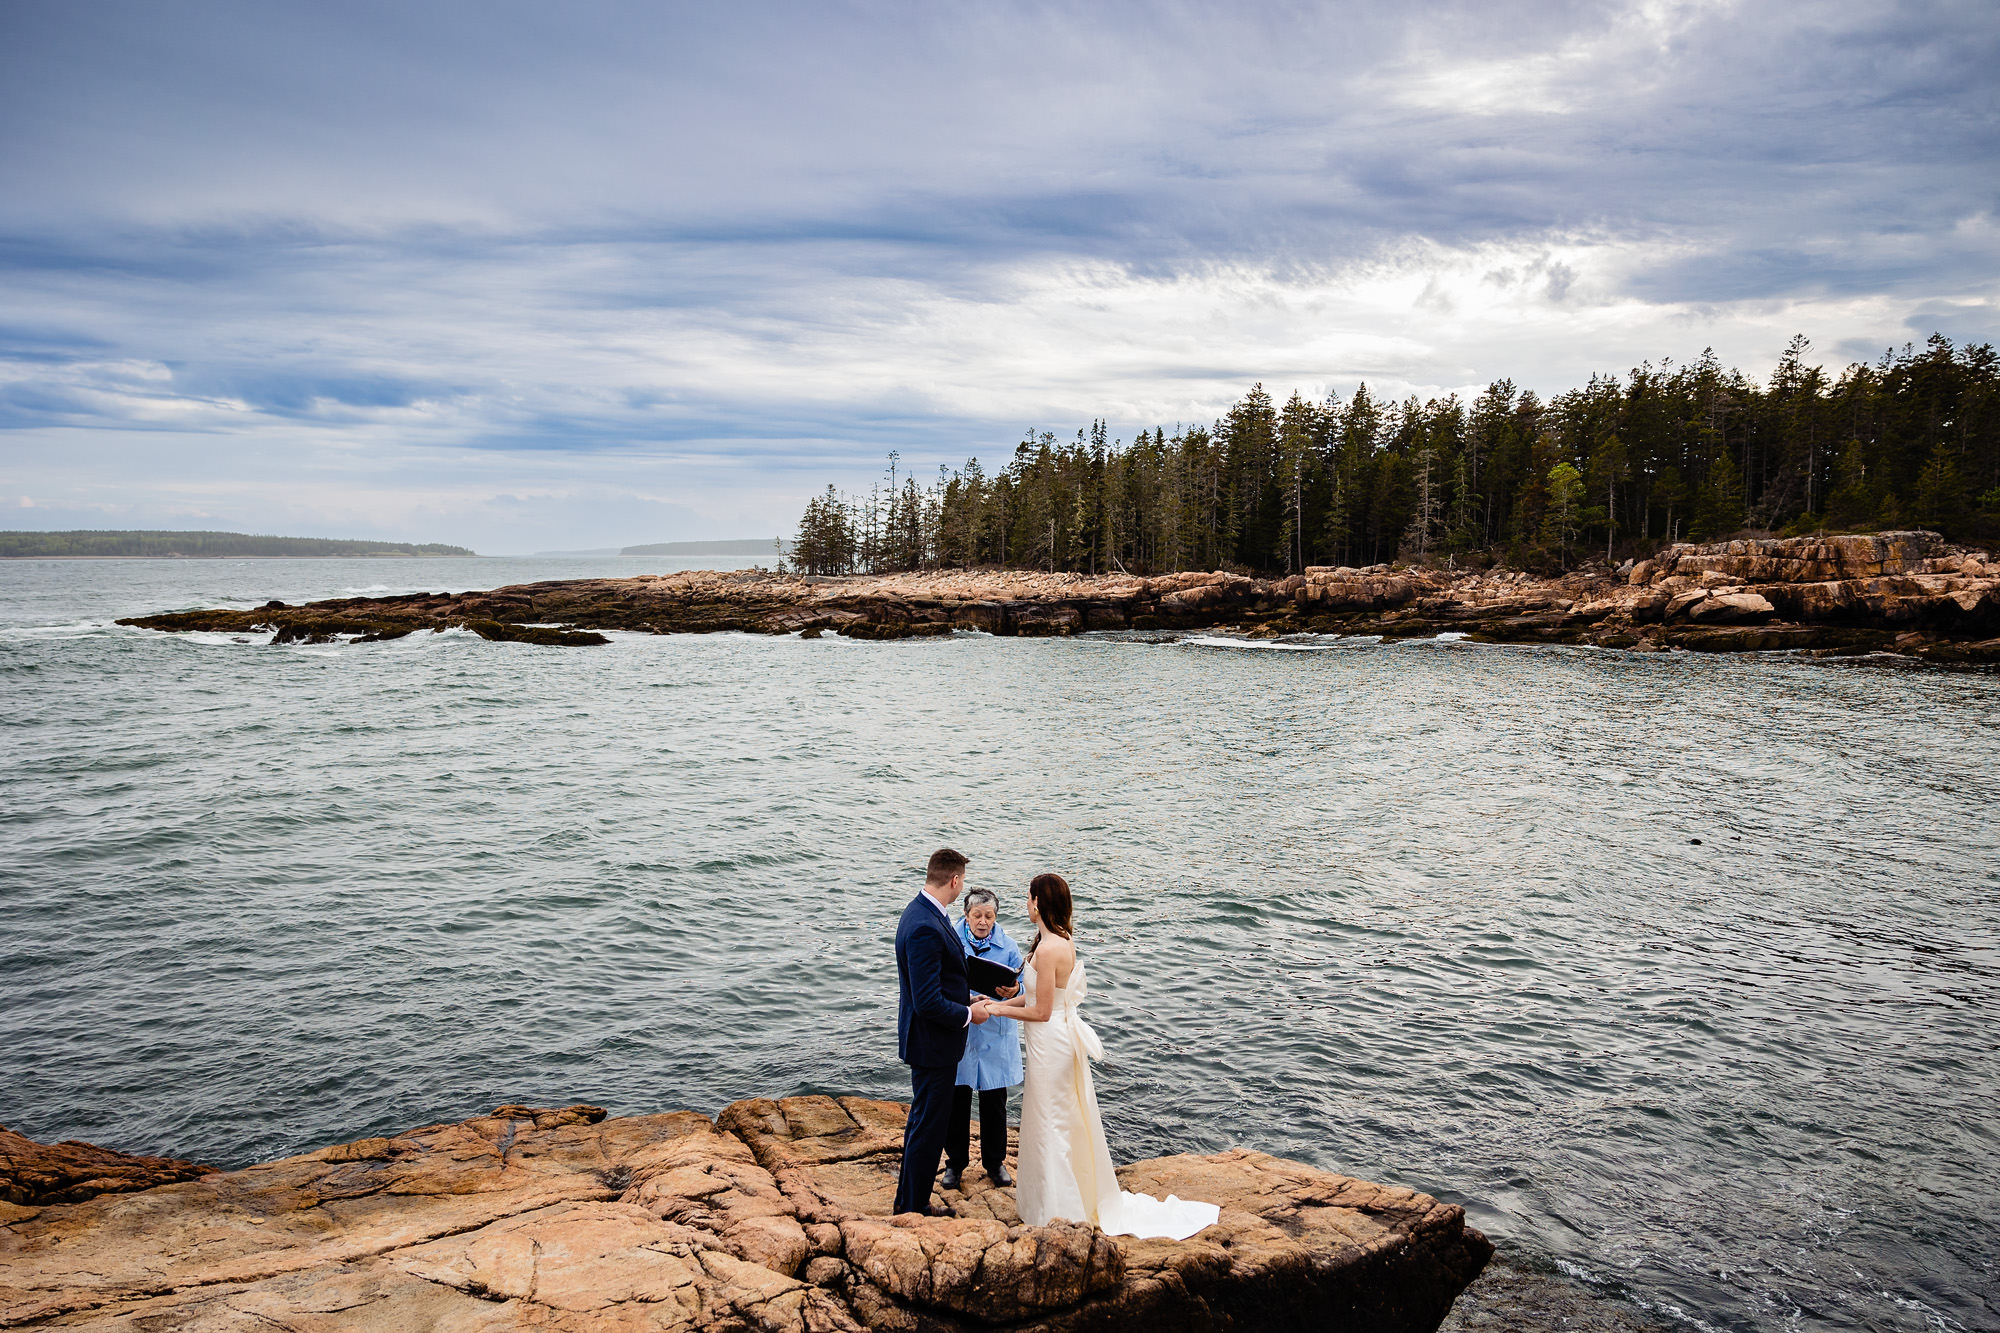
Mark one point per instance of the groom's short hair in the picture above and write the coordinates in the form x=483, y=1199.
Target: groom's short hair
x=944, y=864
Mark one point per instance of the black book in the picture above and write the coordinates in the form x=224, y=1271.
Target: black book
x=988, y=977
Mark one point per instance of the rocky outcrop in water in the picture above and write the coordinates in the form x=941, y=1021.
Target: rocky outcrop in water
x=1902, y=591
x=70, y=1172
x=770, y=1217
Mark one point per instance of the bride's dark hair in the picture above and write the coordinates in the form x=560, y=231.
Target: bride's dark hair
x=1052, y=903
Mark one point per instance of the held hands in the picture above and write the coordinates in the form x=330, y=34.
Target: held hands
x=979, y=1014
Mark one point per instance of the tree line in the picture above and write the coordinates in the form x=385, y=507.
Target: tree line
x=1615, y=468
x=208, y=544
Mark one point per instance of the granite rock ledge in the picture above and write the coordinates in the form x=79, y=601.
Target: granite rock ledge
x=770, y=1218
x=1905, y=592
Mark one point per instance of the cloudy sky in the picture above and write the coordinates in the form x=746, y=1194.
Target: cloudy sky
x=529, y=277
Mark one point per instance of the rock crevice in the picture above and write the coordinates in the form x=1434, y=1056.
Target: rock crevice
x=771, y=1217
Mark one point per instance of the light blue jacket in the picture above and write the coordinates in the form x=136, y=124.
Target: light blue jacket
x=993, y=1048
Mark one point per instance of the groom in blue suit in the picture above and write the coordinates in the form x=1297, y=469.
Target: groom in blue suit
x=932, y=1016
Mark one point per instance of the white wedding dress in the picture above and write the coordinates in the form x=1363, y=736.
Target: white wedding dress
x=1064, y=1166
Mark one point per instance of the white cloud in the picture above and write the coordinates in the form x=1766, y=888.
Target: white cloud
x=1620, y=51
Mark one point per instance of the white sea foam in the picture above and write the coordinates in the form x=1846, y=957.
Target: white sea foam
x=1314, y=644
x=77, y=629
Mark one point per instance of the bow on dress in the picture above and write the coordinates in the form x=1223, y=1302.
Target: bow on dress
x=1087, y=1045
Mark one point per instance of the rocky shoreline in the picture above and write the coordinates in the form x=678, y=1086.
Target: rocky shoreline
x=770, y=1217
x=1906, y=592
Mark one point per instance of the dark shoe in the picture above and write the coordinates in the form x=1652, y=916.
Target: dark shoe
x=949, y=1178
x=1000, y=1175
x=933, y=1210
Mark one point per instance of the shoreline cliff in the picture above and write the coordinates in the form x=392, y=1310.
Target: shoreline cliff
x=1906, y=592
x=772, y=1217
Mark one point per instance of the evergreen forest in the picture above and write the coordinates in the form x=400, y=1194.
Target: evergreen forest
x=1610, y=470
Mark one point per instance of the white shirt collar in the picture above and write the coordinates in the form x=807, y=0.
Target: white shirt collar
x=943, y=911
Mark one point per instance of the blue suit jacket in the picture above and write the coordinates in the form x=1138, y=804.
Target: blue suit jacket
x=934, y=1006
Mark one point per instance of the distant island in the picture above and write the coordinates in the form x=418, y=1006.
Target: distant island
x=202, y=545
x=744, y=546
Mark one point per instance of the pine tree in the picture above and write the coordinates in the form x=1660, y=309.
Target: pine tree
x=1670, y=491
x=1463, y=531
x=825, y=541
x=1853, y=503
x=1298, y=431
x=1565, y=502
x=1609, y=464
x=1939, y=501
x=1720, y=511
x=1428, y=497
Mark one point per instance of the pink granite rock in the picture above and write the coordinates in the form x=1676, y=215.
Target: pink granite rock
x=769, y=1218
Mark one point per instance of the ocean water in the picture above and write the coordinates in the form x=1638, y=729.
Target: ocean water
x=1432, y=913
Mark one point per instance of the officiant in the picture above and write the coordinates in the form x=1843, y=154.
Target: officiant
x=992, y=1062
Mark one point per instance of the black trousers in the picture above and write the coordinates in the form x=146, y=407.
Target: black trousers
x=924, y=1134
x=992, y=1128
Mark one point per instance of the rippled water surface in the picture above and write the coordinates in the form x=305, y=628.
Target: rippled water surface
x=1431, y=913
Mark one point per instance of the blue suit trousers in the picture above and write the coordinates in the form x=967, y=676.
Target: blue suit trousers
x=924, y=1135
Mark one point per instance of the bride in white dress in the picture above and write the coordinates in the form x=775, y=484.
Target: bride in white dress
x=1065, y=1168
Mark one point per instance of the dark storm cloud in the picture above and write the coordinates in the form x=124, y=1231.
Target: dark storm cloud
x=749, y=232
